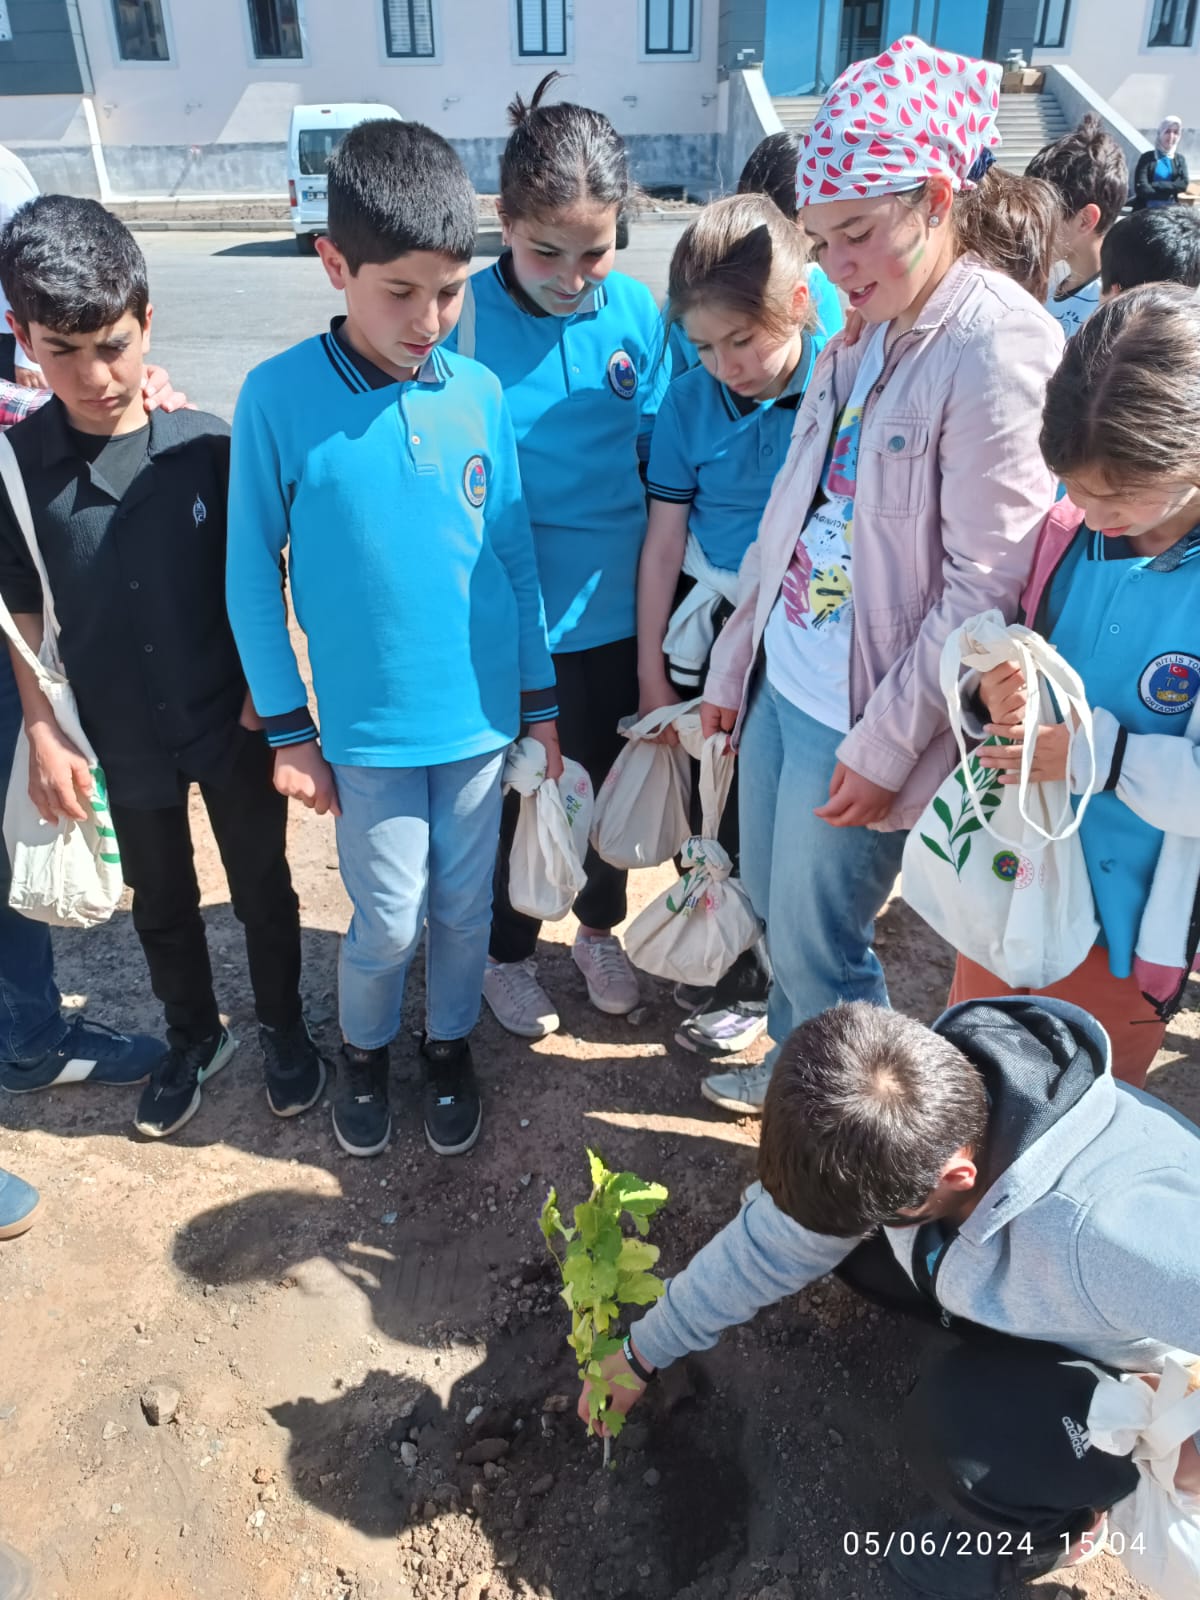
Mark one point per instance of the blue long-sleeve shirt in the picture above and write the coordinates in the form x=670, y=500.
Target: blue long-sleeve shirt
x=410, y=558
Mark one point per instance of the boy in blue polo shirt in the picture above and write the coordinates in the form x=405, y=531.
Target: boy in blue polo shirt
x=389, y=469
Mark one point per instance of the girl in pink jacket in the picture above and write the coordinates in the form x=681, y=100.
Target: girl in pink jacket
x=911, y=495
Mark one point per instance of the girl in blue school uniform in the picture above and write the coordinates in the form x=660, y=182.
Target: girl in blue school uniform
x=1116, y=589
x=577, y=348
x=739, y=289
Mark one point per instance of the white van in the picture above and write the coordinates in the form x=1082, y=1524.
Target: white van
x=314, y=135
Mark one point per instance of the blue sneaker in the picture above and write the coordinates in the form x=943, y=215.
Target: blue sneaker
x=19, y=1205
x=90, y=1053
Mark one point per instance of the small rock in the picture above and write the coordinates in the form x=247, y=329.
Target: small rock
x=184, y=1530
x=602, y=1505
x=139, y=1327
x=407, y=1409
x=557, y=1402
x=525, y=1179
x=326, y=1478
x=474, y=1415
x=111, y=1431
x=201, y=1338
x=160, y=1402
x=116, y=1509
x=520, y=1517
x=652, y=1478
x=644, y=1569
x=493, y=1471
x=447, y=1494
x=409, y=1454
x=263, y=1475
x=542, y=1485
x=835, y=1437
x=256, y=1518
x=388, y=1218
x=485, y=1450
x=524, y=1122
x=269, y=1495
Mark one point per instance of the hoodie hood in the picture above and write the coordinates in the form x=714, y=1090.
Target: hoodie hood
x=1046, y=1068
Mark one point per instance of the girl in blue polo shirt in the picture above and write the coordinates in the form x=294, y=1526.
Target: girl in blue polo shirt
x=577, y=348
x=1116, y=589
x=739, y=289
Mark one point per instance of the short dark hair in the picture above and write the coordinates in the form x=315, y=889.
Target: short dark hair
x=70, y=265
x=1088, y=168
x=1159, y=245
x=864, y=1109
x=559, y=154
x=771, y=170
x=395, y=187
x=1127, y=391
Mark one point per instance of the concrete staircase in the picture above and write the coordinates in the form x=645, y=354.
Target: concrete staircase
x=1027, y=122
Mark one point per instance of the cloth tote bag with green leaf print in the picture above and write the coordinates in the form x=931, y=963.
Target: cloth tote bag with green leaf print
x=998, y=870
x=66, y=873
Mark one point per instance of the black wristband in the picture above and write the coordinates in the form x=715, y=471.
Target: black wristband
x=637, y=1367
x=1118, y=760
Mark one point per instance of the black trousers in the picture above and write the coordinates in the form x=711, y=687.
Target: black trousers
x=249, y=822
x=8, y=356
x=596, y=688
x=996, y=1427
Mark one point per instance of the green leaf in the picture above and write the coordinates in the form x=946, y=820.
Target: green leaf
x=937, y=849
x=550, y=1220
x=962, y=855
x=625, y=1380
x=614, y=1422
x=962, y=782
x=605, y=1346
x=971, y=825
x=636, y=1256
x=598, y=1170
x=641, y=1289
x=943, y=812
x=640, y=1199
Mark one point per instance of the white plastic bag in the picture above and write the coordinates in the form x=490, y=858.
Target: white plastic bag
x=545, y=865
x=641, y=814
x=1154, y=1532
x=999, y=870
x=696, y=930
x=65, y=873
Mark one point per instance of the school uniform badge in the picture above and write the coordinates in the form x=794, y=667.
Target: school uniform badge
x=622, y=375
x=1169, y=684
x=475, y=481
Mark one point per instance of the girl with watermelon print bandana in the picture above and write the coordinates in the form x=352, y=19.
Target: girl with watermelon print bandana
x=910, y=500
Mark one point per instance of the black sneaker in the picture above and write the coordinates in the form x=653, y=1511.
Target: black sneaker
x=690, y=997
x=450, y=1098
x=294, y=1071
x=172, y=1097
x=362, y=1117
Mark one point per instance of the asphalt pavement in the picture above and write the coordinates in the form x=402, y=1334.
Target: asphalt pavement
x=223, y=302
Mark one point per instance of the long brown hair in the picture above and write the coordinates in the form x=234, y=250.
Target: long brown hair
x=1127, y=394
x=1009, y=223
x=741, y=254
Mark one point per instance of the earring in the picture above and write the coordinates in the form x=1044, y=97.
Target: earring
x=935, y=222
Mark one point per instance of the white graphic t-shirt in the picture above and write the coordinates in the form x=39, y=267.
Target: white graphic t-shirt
x=1072, y=310
x=807, y=637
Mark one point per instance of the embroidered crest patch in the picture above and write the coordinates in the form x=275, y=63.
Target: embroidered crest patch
x=622, y=374
x=1170, y=682
x=475, y=481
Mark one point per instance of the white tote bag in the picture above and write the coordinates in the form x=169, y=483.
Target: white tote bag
x=641, y=817
x=65, y=873
x=696, y=930
x=1154, y=1532
x=998, y=870
x=545, y=864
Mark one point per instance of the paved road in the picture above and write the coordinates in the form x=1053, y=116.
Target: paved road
x=223, y=302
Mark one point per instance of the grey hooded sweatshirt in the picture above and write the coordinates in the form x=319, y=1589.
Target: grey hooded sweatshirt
x=1087, y=1235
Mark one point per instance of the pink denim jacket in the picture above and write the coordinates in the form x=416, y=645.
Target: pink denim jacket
x=951, y=493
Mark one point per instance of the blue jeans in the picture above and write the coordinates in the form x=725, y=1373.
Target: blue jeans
x=31, y=1020
x=817, y=888
x=416, y=846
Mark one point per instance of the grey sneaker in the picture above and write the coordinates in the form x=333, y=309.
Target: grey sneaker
x=517, y=1000
x=742, y=1092
x=723, y=1030
x=612, y=984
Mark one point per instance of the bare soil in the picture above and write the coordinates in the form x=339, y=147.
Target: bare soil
x=318, y=1313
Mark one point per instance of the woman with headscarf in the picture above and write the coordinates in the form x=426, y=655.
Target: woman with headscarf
x=1162, y=174
x=910, y=501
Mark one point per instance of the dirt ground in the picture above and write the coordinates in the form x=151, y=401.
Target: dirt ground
x=334, y=1327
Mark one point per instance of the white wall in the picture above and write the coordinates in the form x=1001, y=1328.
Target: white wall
x=214, y=91
x=1106, y=45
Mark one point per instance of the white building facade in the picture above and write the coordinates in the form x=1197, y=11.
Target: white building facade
x=194, y=96
x=1142, y=56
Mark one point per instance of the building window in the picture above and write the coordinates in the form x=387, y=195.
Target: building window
x=1052, y=19
x=409, y=27
x=275, y=30
x=141, y=31
x=670, y=28
x=1172, y=24
x=541, y=27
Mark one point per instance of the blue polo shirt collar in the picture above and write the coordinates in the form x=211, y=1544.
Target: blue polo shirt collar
x=361, y=374
x=595, y=299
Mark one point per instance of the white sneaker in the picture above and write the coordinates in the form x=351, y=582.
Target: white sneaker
x=612, y=984
x=741, y=1092
x=517, y=1000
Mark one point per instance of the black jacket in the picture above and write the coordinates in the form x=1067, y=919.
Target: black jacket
x=1146, y=187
